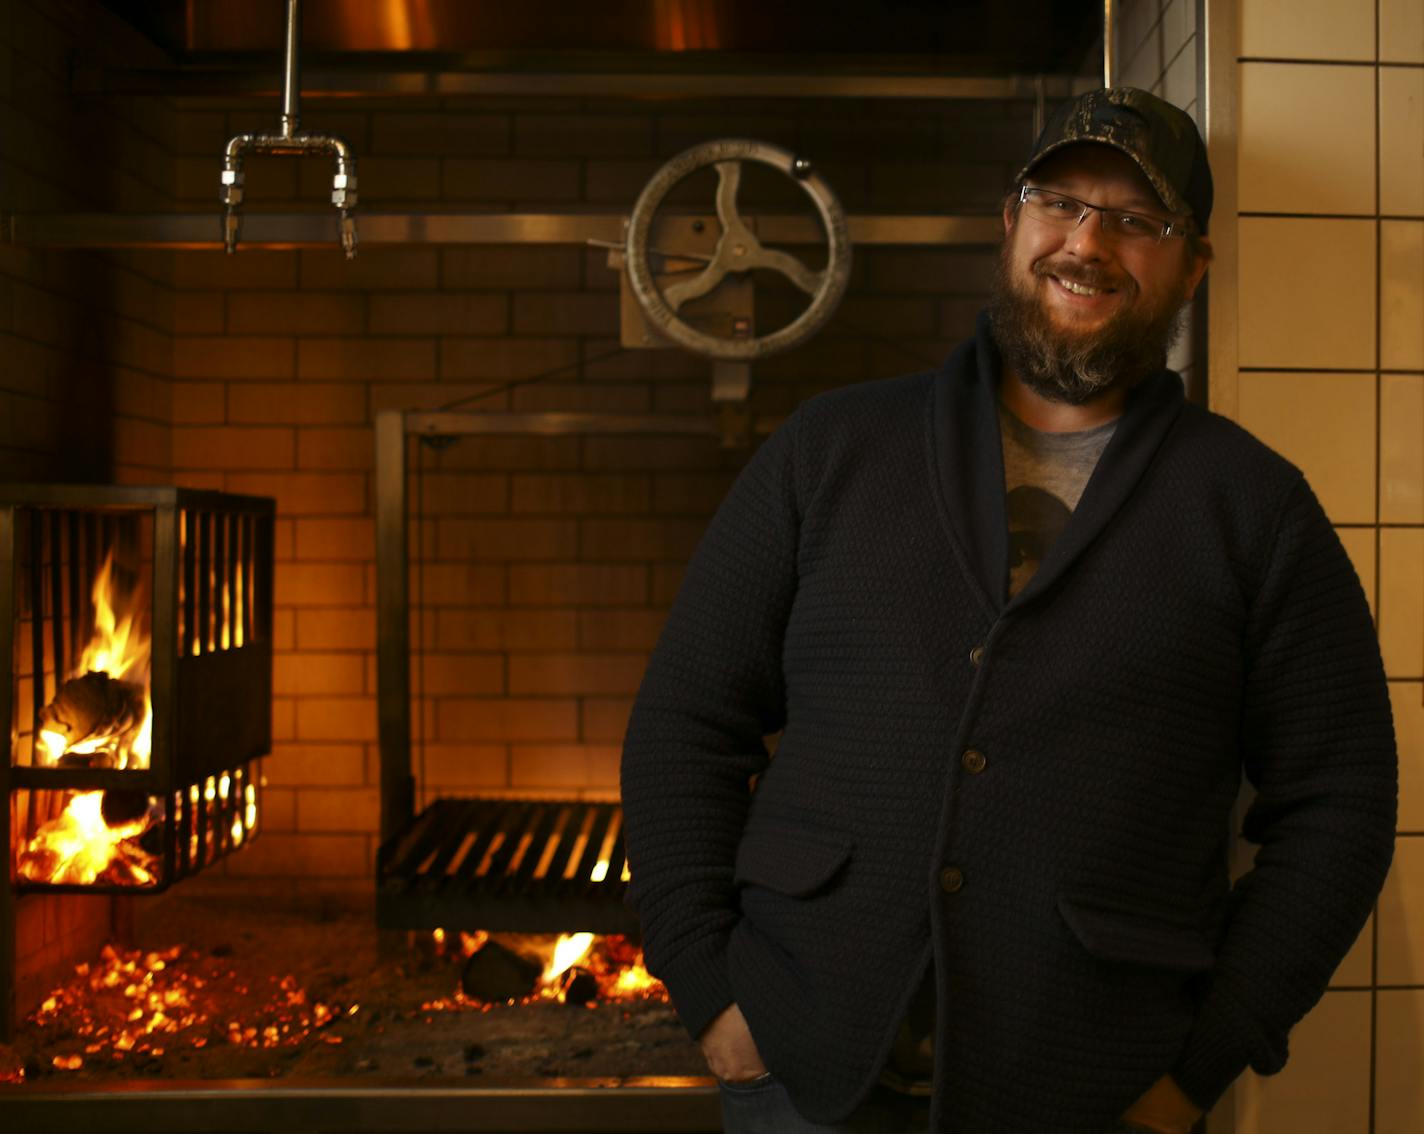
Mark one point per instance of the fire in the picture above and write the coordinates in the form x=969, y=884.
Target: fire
x=614, y=963
x=101, y=716
x=80, y=845
x=117, y=647
x=569, y=950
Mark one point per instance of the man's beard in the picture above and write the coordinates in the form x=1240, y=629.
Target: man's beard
x=1076, y=367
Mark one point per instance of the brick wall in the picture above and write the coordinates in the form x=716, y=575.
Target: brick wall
x=546, y=563
x=84, y=337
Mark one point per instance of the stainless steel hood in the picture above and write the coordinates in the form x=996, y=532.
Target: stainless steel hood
x=965, y=38
x=985, y=36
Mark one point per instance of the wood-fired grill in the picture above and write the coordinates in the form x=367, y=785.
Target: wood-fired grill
x=158, y=746
x=533, y=866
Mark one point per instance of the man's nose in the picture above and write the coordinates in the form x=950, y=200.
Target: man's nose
x=1086, y=239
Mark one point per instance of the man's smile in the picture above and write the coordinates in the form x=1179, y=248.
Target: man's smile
x=1079, y=289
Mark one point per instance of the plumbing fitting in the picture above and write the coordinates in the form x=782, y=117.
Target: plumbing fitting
x=290, y=140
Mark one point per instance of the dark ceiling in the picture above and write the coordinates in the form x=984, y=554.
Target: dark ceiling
x=968, y=37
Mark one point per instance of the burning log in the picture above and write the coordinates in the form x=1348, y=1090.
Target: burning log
x=122, y=807
x=89, y=717
x=496, y=973
x=581, y=987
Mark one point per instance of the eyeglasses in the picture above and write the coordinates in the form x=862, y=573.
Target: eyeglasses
x=1063, y=211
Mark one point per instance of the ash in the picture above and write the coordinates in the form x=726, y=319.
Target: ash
x=220, y=980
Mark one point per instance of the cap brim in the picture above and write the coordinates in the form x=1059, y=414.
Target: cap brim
x=1160, y=184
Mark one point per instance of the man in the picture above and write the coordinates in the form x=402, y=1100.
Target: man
x=1023, y=623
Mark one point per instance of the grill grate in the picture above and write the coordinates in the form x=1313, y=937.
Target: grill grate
x=522, y=866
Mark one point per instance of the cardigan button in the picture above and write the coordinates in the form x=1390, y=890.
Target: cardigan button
x=973, y=761
x=951, y=879
x=976, y=655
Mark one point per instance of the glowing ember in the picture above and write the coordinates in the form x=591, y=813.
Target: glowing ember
x=134, y=1004
x=615, y=963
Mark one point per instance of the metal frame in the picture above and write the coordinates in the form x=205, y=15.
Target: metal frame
x=392, y=568
x=246, y=1106
x=192, y=231
x=483, y=80
x=183, y=687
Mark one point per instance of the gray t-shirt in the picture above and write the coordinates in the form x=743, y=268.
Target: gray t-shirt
x=1044, y=478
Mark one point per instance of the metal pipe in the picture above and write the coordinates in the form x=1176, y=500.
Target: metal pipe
x=311, y=230
x=1109, y=44
x=218, y=79
x=291, y=73
x=290, y=140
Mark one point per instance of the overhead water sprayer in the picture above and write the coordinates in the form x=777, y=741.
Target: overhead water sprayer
x=290, y=141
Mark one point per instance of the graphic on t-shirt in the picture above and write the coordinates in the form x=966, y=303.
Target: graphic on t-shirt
x=1036, y=519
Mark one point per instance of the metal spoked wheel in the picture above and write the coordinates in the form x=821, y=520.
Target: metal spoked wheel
x=738, y=250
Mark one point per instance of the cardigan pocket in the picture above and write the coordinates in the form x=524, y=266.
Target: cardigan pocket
x=794, y=861
x=1112, y=931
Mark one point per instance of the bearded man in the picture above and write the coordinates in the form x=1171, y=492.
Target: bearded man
x=1023, y=623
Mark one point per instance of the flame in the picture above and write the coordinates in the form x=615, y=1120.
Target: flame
x=615, y=964
x=117, y=647
x=121, y=649
x=569, y=951
x=79, y=846
x=635, y=982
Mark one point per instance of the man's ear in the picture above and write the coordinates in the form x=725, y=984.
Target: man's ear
x=1009, y=214
x=1200, y=253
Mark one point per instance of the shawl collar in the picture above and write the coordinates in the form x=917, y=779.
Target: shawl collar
x=971, y=466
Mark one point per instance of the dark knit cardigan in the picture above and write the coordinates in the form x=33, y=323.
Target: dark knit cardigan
x=1198, y=618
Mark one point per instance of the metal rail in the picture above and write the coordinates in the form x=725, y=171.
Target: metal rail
x=193, y=231
x=392, y=567
x=245, y=1106
x=343, y=83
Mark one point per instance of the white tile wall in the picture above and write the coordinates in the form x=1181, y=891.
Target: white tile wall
x=1292, y=114
x=1308, y=29
x=1339, y=138
x=1325, y=1088
x=1401, y=601
x=1306, y=293
x=1401, y=33
x=1325, y=424
x=1402, y=448
x=1399, y=1087
x=1355, y=970
x=1406, y=698
x=1401, y=129
x=1402, y=295
x=1401, y=916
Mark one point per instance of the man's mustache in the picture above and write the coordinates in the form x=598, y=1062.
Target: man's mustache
x=1086, y=275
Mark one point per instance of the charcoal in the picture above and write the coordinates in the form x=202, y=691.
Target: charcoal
x=152, y=839
x=581, y=987
x=496, y=973
x=122, y=807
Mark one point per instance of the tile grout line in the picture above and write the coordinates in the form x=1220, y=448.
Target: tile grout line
x=1378, y=572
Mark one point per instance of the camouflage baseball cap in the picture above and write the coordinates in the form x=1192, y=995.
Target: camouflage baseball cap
x=1161, y=138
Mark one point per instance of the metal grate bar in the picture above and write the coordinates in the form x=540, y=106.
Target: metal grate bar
x=515, y=865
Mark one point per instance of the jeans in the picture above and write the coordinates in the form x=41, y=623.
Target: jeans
x=762, y=1106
